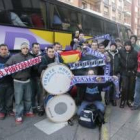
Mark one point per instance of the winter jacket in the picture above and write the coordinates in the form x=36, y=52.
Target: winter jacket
x=24, y=74
x=45, y=61
x=6, y=79
x=34, y=69
x=128, y=62
x=115, y=62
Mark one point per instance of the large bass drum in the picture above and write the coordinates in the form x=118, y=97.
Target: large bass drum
x=56, y=79
x=60, y=108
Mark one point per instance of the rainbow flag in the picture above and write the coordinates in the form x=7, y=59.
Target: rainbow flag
x=71, y=56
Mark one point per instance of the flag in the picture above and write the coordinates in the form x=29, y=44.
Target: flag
x=71, y=56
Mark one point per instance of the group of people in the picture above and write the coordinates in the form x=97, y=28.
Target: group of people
x=24, y=90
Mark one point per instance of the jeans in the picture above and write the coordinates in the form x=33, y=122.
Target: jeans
x=98, y=104
x=36, y=92
x=23, y=95
x=137, y=93
x=6, y=98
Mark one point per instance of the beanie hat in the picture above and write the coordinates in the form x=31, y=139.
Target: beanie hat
x=128, y=42
x=113, y=44
x=24, y=44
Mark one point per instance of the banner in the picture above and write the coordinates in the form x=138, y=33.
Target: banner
x=19, y=66
x=93, y=79
x=87, y=64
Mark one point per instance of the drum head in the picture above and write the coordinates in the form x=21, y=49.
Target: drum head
x=56, y=79
x=60, y=108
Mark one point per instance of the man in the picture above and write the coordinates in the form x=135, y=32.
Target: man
x=115, y=69
x=35, y=82
x=92, y=94
x=48, y=58
x=133, y=39
x=6, y=86
x=57, y=47
x=94, y=45
x=118, y=43
x=22, y=85
x=128, y=64
x=136, y=104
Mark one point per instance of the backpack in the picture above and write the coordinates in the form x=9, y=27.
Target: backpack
x=91, y=117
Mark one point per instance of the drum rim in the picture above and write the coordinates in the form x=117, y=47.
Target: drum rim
x=51, y=65
x=74, y=111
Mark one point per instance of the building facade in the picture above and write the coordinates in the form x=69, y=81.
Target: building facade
x=135, y=21
x=126, y=12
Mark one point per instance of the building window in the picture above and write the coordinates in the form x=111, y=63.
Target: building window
x=113, y=1
x=106, y=11
x=119, y=16
x=106, y=2
x=84, y=5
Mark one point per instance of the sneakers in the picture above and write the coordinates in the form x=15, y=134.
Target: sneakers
x=2, y=116
x=29, y=114
x=18, y=120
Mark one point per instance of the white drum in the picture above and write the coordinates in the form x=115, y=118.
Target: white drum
x=60, y=108
x=56, y=79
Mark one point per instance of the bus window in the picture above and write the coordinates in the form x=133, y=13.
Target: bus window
x=64, y=19
x=111, y=28
x=1, y=5
x=123, y=32
x=92, y=25
x=87, y=25
x=23, y=13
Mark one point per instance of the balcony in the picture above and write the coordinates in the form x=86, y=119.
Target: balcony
x=106, y=2
x=113, y=5
x=129, y=1
x=127, y=24
x=127, y=12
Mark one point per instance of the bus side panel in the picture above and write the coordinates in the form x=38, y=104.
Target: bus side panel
x=63, y=38
x=14, y=36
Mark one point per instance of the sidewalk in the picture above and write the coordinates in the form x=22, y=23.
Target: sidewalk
x=123, y=124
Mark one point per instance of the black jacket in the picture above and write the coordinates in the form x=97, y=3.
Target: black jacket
x=128, y=62
x=34, y=69
x=45, y=61
x=5, y=79
x=115, y=62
